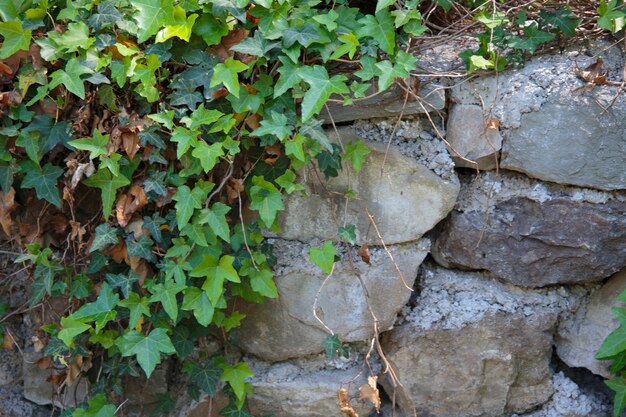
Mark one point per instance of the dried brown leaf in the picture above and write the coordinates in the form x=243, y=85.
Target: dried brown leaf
x=593, y=73
x=364, y=253
x=7, y=341
x=344, y=405
x=75, y=367
x=44, y=362
x=129, y=203
x=370, y=392
x=141, y=267
x=7, y=205
x=130, y=141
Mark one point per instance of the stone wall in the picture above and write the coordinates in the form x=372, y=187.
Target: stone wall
x=489, y=292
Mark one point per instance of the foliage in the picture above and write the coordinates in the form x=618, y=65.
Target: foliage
x=136, y=132
x=614, y=348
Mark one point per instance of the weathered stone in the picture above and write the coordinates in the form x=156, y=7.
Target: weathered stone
x=38, y=390
x=405, y=199
x=552, y=130
x=306, y=388
x=573, y=142
x=286, y=327
x=470, y=135
x=579, y=336
x=534, y=234
x=141, y=391
x=388, y=103
x=489, y=368
x=534, y=244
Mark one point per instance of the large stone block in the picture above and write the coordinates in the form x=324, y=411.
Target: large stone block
x=554, y=128
x=580, y=336
x=532, y=240
x=473, y=346
x=389, y=103
x=405, y=198
x=306, y=388
x=469, y=133
x=286, y=327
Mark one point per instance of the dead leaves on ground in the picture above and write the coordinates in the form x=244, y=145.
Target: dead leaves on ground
x=368, y=392
x=593, y=74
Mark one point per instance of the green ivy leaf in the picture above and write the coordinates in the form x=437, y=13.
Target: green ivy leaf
x=153, y=14
x=182, y=28
x=105, y=236
x=185, y=138
x=166, y=294
x=235, y=376
x=289, y=76
x=70, y=77
x=614, y=343
x=324, y=257
x=215, y=217
x=348, y=233
x=208, y=155
x=124, y=282
x=383, y=4
x=147, y=349
x=265, y=199
x=211, y=29
x=305, y=36
x=100, y=311
x=381, y=29
x=71, y=329
x=228, y=74
x=198, y=301
x=205, y=375
x=356, y=153
x=138, y=306
x=276, y=124
x=321, y=87
x=533, y=37
x=188, y=200
x=95, y=145
x=287, y=182
x=107, y=14
x=215, y=273
x=349, y=45
x=256, y=45
x=108, y=185
x=619, y=401
x=562, y=19
x=332, y=345
x=98, y=406
x=15, y=38
x=262, y=282
x=43, y=180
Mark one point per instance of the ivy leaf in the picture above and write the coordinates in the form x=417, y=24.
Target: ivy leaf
x=181, y=30
x=188, y=201
x=98, y=406
x=100, y=311
x=228, y=74
x=328, y=20
x=153, y=14
x=275, y=124
x=349, y=45
x=107, y=13
x=201, y=116
x=122, y=281
x=334, y=347
x=182, y=341
x=287, y=181
x=265, y=199
x=95, y=145
x=198, y=301
x=368, y=70
x=185, y=139
x=216, y=273
x=324, y=257
x=141, y=248
x=235, y=376
x=166, y=294
x=380, y=28
x=305, y=36
x=205, y=375
x=43, y=180
x=210, y=29
x=71, y=329
x=388, y=73
x=619, y=386
x=356, y=153
x=208, y=155
x=492, y=20
x=147, y=349
x=289, y=76
x=614, y=343
x=533, y=37
x=70, y=77
x=108, y=185
x=320, y=89
x=563, y=19
x=15, y=38
x=105, y=236
x=348, y=233
x=293, y=148
x=262, y=282
x=216, y=219
x=138, y=306
x=256, y=45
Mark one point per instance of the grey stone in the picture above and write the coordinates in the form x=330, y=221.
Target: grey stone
x=306, y=388
x=286, y=327
x=580, y=336
x=489, y=368
x=469, y=134
x=405, y=199
x=572, y=142
x=388, y=103
x=10, y=366
x=38, y=390
x=13, y=404
x=534, y=234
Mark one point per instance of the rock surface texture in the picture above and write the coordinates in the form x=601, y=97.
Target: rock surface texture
x=534, y=240
x=474, y=346
x=581, y=334
x=404, y=197
x=286, y=327
x=553, y=129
